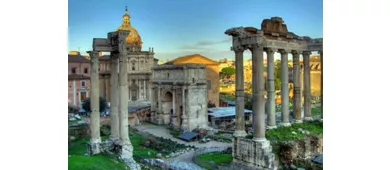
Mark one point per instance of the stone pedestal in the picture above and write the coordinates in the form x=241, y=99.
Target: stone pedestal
x=253, y=154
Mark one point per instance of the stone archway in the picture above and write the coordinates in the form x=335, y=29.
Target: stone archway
x=167, y=107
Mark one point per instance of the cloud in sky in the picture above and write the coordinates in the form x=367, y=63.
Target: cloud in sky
x=201, y=45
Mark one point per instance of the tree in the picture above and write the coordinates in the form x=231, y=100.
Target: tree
x=103, y=106
x=228, y=71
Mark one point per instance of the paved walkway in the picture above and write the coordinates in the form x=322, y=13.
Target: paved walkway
x=161, y=131
x=185, y=159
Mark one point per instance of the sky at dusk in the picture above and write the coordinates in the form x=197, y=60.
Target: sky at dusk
x=181, y=27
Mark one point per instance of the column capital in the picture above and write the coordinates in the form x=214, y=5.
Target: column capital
x=284, y=51
x=238, y=49
x=306, y=53
x=295, y=52
x=93, y=53
x=270, y=50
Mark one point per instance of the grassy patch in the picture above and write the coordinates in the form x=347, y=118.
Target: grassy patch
x=285, y=133
x=139, y=150
x=77, y=160
x=213, y=159
x=316, y=111
x=97, y=162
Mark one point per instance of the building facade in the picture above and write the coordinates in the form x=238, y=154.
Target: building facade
x=179, y=96
x=212, y=73
x=78, y=79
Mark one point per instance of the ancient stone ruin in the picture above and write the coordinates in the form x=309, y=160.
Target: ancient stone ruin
x=272, y=37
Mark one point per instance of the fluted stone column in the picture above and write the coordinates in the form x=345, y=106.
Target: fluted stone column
x=307, y=90
x=114, y=102
x=258, y=102
x=94, y=147
x=123, y=99
x=240, y=117
x=271, y=124
x=297, y=88
x=285, y=89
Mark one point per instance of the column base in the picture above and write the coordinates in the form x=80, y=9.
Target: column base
x=308, y=119
x=287, y=124
x=239, y=133
x=259, y=139
x=93, y=146
x=126, y=156
x=298, y=121
x=271, y=127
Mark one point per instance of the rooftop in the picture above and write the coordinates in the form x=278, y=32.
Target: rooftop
x=224, y=111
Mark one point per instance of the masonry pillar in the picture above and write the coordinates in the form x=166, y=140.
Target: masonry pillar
x=173, y=106
x=159, y=110
x=144, y=94
x=285, y=89
x=307, y=90
x=271, y=89
x=94, y=147
x=240, y=117
x=297, y=88
x=107, y=87
x=258, y=103
x=183, y=104
x=114, y=102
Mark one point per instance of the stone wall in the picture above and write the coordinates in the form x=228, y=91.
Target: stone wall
x=197, y=107
x=253, y=154
x=212, y=75
x=304, y=149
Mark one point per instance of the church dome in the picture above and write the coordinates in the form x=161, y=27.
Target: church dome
x=133, y=38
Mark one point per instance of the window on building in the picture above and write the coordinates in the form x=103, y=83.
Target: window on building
x=133, y=81
x=168, y=75
x=134, y=95
x=208, y=84
x=86, y=70
x=99, y=69
x=133, y=66
x=83, y=96
x=74, y=70
x=193, y=80
x=82, y=83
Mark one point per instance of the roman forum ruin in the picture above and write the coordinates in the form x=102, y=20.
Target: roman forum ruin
x=272, y=37
x=181, y=93
x=119, y=138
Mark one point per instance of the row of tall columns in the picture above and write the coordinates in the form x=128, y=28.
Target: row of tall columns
x=240, y=117
x=258, y=90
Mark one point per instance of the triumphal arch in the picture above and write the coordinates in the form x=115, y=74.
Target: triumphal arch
x=273, y=37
